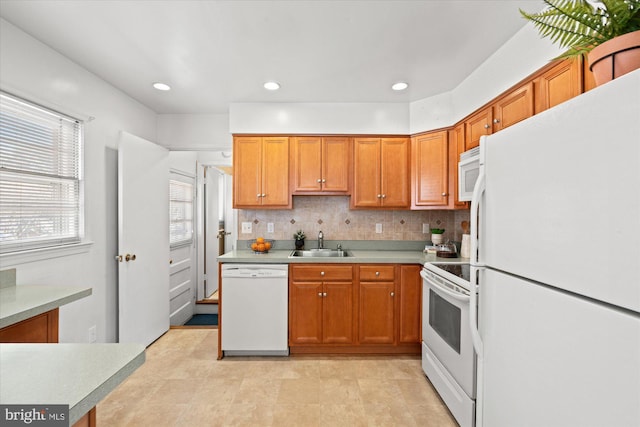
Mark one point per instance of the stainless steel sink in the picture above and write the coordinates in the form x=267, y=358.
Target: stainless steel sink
x=313, y=253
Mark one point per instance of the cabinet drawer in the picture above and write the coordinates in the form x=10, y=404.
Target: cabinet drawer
x=370, y=273
x=322, y=272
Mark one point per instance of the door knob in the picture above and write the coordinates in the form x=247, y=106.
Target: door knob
x=129, y=257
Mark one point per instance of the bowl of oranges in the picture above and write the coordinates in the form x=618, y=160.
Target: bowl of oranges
x=261, y=245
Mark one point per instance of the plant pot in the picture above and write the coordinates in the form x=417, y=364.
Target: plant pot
x=615, y=57
x=436, y=239
x=299, y=244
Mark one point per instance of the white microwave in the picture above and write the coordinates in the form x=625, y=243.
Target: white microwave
x=468, y=172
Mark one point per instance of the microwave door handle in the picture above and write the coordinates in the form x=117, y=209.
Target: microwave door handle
x=458, y=296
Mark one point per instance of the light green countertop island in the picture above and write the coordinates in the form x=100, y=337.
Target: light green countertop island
x=78, y=375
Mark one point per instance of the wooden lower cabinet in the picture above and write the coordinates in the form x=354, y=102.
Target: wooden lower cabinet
x=88, y=419
x=409, y=304
x=321, y=305
x=42, y=328
x=355, y=308
x=376, y=313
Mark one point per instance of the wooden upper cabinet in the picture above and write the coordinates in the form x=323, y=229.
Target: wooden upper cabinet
x=477, y=125
x=261, y=172
x=381, y=173
x=513, y=107
x=456, y=147
x=321, y=165
x=508, y=110
x=430, y=170
x=559, y=84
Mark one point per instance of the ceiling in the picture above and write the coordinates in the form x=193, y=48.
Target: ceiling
x=213, y=53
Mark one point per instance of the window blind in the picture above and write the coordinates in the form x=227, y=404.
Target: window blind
x=180, y=212
x=40, y=177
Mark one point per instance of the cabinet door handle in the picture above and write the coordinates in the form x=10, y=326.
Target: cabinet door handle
x=487, y=126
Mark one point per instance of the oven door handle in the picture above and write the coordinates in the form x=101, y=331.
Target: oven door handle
x=458, y=296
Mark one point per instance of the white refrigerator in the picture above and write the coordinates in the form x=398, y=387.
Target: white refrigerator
x=556, y=248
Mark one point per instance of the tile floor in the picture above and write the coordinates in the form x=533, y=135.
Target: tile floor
x=182, y=384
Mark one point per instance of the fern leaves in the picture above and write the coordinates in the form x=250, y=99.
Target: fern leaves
x=580, y=25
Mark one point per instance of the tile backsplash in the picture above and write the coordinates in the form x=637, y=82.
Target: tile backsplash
x=331, y=214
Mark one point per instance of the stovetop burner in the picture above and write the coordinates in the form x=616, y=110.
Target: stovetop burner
x=459, y=270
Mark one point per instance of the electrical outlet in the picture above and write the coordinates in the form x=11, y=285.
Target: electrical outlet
x=246, y=227
x=425, y=228
x=92, y=334
x=378, y=228
x=269, y=227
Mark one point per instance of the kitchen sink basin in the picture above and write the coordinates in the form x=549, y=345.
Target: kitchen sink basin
x=319, y=253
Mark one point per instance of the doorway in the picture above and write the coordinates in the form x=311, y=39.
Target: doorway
x=216, y=228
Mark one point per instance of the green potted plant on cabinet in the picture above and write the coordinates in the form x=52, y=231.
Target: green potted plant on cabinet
x=607, y=31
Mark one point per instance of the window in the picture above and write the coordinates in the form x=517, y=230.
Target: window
x=180, y=210
x=40, y=177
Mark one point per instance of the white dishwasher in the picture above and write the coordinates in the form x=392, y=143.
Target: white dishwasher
x=254, y=309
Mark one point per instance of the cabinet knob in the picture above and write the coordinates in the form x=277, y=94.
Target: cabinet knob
x=377, y=273
x=258, y=195
x=496, y=120
x=487, y=126
x=393, y=294
x=263, y=195
x=379, y=196
x=384, y=195
x=318, y=180
x=322, y=273
x=320, y=294
x=324, y=180
x=324, y=294
x=444, y=194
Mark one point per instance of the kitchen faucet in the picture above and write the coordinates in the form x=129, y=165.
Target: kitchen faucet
x=320, y=240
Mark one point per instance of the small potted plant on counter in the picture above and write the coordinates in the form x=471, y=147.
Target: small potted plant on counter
x=298, y=238
x=608, y=31
x=436, y=235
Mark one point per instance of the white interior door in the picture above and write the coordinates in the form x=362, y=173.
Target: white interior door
x=143, y=232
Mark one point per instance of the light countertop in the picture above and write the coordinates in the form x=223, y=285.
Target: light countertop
x=78, y=375
x=359, y=257
x=22, y=302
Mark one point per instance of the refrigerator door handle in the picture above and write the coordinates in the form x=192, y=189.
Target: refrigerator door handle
x=476, y=267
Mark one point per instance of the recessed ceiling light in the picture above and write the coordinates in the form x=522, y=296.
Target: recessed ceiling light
x=161, y=86
x=272, y=86
x=400, y=86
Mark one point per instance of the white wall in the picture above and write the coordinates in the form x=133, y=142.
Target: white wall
x=326, y=118
x=194, y=131
x=519, y=57
x=30, y=69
